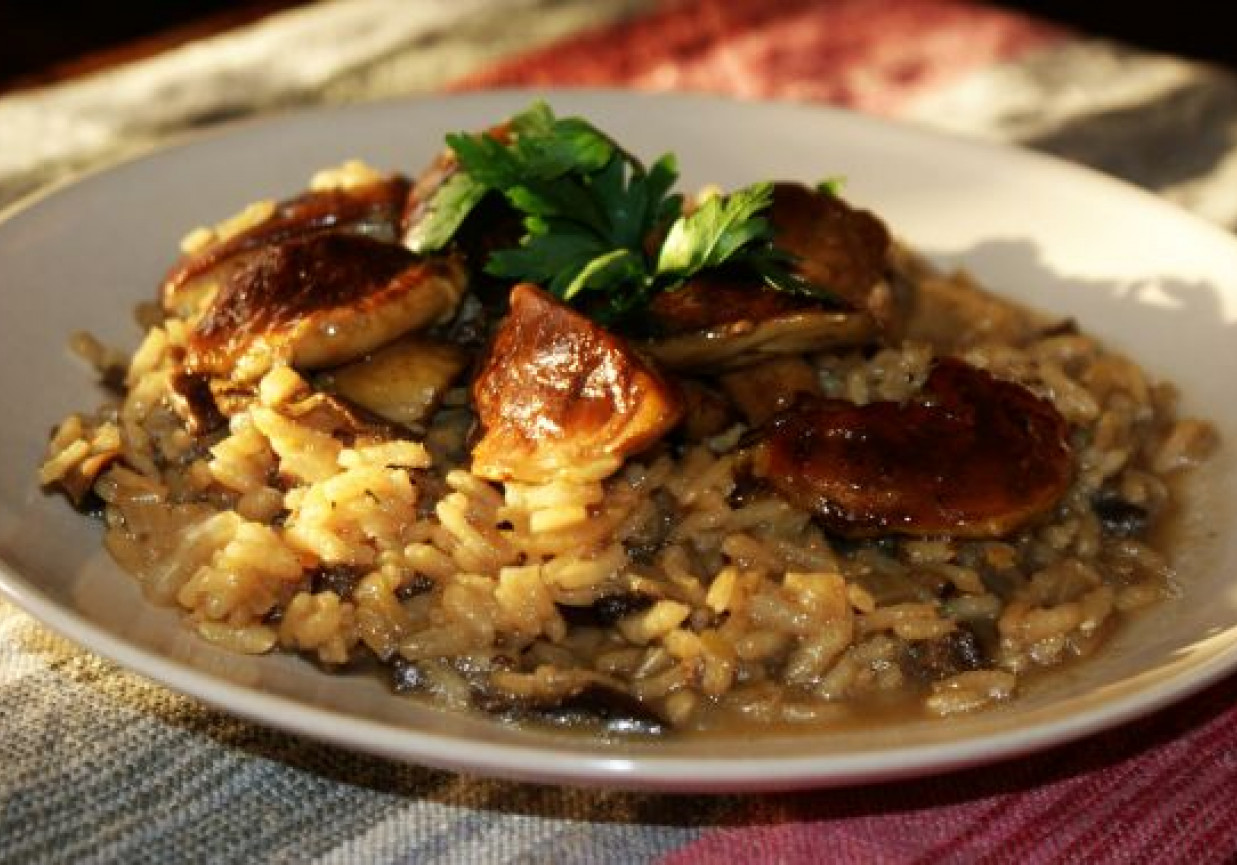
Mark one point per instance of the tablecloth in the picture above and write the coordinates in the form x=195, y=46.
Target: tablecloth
x=99, y=765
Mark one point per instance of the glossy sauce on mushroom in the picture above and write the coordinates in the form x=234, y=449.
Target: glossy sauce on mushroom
x=559, y=396
x=320, y=301
x=973, y=456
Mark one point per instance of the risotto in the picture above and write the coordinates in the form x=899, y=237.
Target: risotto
x=728, y=463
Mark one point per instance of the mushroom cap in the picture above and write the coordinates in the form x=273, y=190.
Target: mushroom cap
x=560, y=397
x=974, y=456
x=320, y=301
x=731, y=319
x=371, y=211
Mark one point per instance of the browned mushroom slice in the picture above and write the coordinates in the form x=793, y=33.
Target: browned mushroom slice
x=948, y=655
x=721, y=321
x=337, y=417
x=561, y=398
x=320, y=301
x=605, y=611
x=403, y=381
x=191, y=398
x=230, y=397
x=746, y=342
x=706, y=411
x=973, y=456
x=579, y=705
x=78, y=482
x=718, y=322
x=837, y=247
x=953, y=313
x=368, y=211
x=762, y=390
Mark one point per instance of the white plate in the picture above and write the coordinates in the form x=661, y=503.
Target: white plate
x=1151, y=279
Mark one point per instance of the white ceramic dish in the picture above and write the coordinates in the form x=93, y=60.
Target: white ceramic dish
x=1152, y=280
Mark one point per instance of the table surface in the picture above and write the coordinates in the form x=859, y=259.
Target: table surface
x=97, y=764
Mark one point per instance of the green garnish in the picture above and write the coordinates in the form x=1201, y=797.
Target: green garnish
x=451, y=204
x=596, y=220
x=716, y=230
x=831, y=185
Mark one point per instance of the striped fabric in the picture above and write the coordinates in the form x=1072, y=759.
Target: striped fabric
x=97, y=765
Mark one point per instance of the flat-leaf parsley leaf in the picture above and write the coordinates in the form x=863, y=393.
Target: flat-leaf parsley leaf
x=596, y=221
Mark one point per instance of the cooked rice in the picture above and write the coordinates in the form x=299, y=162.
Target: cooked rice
x=277, y=534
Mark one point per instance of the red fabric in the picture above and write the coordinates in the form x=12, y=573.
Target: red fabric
x=1162, y=789
x=866, y=54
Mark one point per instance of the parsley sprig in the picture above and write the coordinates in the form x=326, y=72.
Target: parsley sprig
x=600, y=228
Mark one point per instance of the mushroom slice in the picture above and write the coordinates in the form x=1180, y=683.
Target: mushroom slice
x=706, y=411
x=320, y=301
x=762, y=390
x=972, y=456
x=78, y=453
x=580, y=704
x=727, y=320
x=747, y=342
x=606, y=610
x=339, y=418
x=948, y=655
x=78, y=482
x=230, y=397
x=719, y=323
x=403, y=381
x=838, y=247
x=559, y=397
x=952, y=313
x=191, y=398
x=372, y=211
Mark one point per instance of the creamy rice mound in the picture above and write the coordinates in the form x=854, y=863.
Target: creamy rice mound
x=674, y=595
